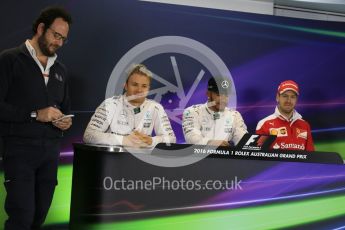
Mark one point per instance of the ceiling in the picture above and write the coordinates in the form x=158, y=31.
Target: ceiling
x=326, y=7
x=336, y=6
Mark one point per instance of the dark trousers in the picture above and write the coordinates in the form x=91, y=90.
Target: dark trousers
x=30, y=169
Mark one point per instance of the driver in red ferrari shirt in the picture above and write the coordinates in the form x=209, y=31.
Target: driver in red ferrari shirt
x=293, y=133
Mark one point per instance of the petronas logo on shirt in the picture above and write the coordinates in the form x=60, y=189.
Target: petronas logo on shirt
x=216, y=116
x=136, y=110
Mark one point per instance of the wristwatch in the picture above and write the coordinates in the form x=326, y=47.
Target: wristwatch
x=33, y=115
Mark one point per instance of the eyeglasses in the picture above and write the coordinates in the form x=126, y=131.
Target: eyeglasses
x=59, y=36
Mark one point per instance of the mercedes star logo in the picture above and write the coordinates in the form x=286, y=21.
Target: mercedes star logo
x=225, y=84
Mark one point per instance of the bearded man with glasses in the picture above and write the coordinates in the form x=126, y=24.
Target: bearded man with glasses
x=33, y=94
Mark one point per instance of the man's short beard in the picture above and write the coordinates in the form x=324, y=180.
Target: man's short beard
x=43, y=44
x=284, y=110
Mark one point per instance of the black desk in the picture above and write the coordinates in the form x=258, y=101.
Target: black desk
x=116, y=187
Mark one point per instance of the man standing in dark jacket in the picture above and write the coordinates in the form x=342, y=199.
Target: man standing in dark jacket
x=33, y=94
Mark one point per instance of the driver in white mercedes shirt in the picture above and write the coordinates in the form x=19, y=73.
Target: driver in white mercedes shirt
x=130, y=119
x=213, y=123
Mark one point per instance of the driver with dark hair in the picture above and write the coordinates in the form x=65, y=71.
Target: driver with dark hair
x=213, y=123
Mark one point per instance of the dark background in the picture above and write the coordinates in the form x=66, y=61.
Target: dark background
x=259, y=50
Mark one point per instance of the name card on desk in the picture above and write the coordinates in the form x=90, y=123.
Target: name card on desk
x=247, y=154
